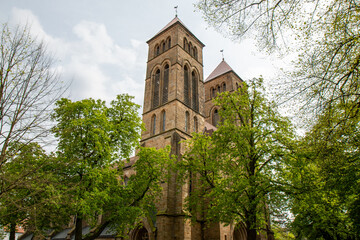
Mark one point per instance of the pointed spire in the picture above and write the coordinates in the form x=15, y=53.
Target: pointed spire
x=221, y=69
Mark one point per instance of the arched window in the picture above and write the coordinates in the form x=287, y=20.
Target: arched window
x=190, y=48
x=187, y=123
x=163, y=120
x=186, y=86
x=195, y=124
x=157, y=50
x=169, y=42
x=194, y=101
x=153, y=124
x=218, y=88
x=156, y=84
x=163, y=47
x=165, y=85
x=195, y=53
x=215, y=117
x=224, y=87
x=213, y=92
x=185, y=44
x=141, y=234
x=237, y=86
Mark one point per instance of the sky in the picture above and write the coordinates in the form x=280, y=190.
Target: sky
x=100, y=45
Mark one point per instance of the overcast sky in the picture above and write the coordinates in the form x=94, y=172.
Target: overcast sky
x=101, y=45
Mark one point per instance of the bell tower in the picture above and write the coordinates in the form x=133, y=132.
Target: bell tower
x=174, y=83
x=173, y=109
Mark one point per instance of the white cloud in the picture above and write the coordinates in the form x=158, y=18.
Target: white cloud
x=93, y=61
x=95, y=39
x=24, y=17
x=136, y=43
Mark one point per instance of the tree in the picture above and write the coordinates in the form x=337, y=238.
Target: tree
x=325, y=34
x=324, y=170
x=326, y=81
x=28, y=88
x=24, y=192
x=236, y=168
x=93, y=138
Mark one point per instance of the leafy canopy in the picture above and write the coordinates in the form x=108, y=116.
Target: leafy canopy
x=237, y=167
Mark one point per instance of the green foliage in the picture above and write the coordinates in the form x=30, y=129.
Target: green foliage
x=326, y=172
x=135, y=200
x=93, y=134
x=92, y=138
x=28, y=178
x=237, y=166
x=28, y=89
x=325, y=36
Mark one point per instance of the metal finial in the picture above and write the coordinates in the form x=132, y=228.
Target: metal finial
x=176, y=7
x=222, y=53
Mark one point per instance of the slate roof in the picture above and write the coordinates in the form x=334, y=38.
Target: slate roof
x=221, y=69
x=62, y=235
x=85, y=230
x=172, y=22
x=28, y=237
x=209, y=128
x=108, y=233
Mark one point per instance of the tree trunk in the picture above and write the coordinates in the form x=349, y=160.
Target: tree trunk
x=12, y=231
x=78, y=228
x=251, y=220
x=97, y=232
x=251, y=233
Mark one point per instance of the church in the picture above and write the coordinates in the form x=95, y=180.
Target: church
x=178, y=102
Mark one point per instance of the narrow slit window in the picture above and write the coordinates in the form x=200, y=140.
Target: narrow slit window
x=195, y=124
x=165, y=85
x=185, y=44
x=194, y=101
x=157, y=50
x=195, y=53
x=187, y=116
x=153, y=125
x=186, y=86
x=215, y=117
x=156, y=92
x=169, y=43
x=163, y=121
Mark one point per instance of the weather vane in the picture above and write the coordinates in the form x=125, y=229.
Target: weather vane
x=222, y=53
x=176, y=7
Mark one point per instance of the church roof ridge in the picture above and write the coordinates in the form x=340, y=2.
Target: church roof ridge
x=221, y=69
x=171, y=23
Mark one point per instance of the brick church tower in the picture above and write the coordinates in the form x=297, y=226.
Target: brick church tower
x=173, y=109
x=178, y=102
